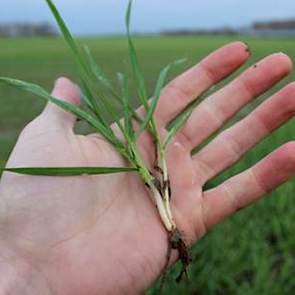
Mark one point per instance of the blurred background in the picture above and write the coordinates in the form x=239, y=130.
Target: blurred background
x=252, y=253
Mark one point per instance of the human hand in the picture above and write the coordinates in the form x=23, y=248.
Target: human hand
x=102, y=234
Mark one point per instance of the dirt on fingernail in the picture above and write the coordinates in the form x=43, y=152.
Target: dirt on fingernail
x=247, y=49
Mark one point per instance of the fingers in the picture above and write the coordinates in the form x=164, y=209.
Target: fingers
x=185, y=88
x=65, y=90
x=230, y=145
x=214, y=111
x=247, y=187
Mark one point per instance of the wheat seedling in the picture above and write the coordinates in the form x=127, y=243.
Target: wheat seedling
x=98, y=104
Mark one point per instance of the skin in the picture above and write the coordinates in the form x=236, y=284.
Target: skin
x=102, y=234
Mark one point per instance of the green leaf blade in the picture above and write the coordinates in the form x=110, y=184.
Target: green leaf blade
x=68, y=107
x=104, y=80
x=137, y=74
x=123, y=82
x=97, y=70
x=101, y=77
x=68, y=37
x=81, y=63
x=159, y=86
x=67, y=171
x=180, y=120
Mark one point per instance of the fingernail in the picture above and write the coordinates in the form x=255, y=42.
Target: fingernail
x=59, y=81
x=56, y=83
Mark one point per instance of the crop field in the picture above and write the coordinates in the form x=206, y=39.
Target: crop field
x=250, y=254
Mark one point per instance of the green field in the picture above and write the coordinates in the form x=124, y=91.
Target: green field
x=252, y=253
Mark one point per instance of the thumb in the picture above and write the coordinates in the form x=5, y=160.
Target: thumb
x=65, y=90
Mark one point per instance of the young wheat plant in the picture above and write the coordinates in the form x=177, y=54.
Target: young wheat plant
x=100, y=102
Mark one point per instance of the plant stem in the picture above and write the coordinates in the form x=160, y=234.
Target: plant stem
x=161, y=207
x=166, y=184
x=156, y=191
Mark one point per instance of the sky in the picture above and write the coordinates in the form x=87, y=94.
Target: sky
x=102, y=17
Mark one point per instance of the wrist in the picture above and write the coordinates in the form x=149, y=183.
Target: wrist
x=17, y=276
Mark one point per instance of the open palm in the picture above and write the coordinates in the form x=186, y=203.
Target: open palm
x=102, y=234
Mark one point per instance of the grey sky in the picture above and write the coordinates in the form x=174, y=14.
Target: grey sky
x=107, y=16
